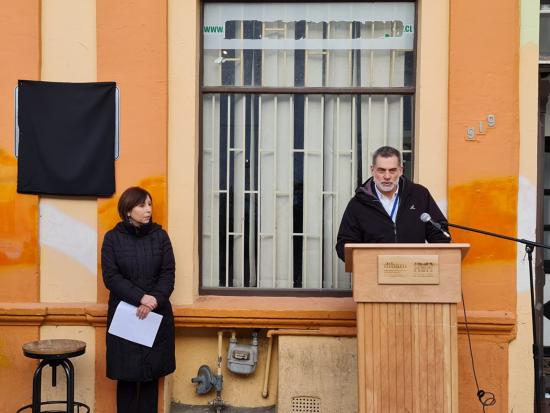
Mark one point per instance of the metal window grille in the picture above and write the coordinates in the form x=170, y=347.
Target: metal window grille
x=278, y=169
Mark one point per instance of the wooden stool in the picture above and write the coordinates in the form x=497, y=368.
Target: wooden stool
x=54, y=353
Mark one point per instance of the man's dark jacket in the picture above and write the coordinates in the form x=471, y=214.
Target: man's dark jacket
x=366, y=221
x=137, y=261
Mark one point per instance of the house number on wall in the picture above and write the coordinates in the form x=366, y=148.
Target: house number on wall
x=490, y=122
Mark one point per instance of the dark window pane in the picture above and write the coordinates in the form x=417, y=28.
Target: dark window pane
x=250, y=239
x=298, y=193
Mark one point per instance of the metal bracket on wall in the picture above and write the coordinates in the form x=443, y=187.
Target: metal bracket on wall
x=16, y=123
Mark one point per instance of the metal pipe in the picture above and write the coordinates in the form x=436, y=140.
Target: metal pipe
x=220, y=344
x=323, y=331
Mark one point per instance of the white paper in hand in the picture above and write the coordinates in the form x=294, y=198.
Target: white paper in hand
x=127, y=325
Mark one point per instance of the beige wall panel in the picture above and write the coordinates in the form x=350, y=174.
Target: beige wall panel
x=68, y=41
x=68, y=227
x=183, y=138
x=327, y=368
x=195, y=347
x=431, y=104
x=84, y=365
x=66, y=279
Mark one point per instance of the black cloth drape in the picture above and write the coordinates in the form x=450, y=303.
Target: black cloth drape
x=66, y=138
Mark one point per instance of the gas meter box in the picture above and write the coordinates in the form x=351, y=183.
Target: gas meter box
x=242, y=358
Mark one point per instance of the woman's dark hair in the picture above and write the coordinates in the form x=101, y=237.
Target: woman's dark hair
x=130, y=198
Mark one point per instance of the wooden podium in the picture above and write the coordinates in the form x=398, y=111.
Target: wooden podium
x=406, y=297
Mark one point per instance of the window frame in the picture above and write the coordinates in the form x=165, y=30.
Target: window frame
x=251, y=90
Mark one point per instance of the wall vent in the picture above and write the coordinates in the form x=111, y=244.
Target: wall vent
x=306, y=404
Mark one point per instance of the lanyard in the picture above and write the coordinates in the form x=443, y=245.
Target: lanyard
x=394, y=208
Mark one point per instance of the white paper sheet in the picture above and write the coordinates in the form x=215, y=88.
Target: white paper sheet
x=127, y=325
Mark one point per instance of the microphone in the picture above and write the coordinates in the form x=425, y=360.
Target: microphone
x=425, y=217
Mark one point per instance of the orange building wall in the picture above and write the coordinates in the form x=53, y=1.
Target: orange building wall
x=20, y=57
x=483, y=176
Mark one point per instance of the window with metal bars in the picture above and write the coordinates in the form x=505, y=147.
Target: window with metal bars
x=295, y=99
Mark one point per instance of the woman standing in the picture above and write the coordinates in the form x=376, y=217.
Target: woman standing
x=138, y=268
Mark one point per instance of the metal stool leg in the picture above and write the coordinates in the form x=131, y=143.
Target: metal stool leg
x=54, y=373
x=37, y=387
x=69, y=372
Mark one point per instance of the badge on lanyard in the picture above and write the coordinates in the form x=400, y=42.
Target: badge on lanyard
x=394, y=208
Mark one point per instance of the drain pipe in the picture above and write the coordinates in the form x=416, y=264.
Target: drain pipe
x=323, y=331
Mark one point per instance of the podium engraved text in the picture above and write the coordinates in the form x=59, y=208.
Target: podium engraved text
x=408, y=269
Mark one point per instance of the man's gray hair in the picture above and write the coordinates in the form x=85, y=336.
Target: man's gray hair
x=386, y=152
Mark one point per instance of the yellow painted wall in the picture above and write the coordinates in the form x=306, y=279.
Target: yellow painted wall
x=328, y=367
x=196, y=347
x=83, y=365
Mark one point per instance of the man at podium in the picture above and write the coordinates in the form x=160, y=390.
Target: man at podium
x=388, y=206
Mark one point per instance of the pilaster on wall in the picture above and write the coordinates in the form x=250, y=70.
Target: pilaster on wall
x=20, y=54
x=520, y=349
x=431, y=106
x=132, y=51
x=483, y=169
x=68, y=235
x=183, y=144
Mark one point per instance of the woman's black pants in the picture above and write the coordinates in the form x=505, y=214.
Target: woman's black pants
x=137, y=397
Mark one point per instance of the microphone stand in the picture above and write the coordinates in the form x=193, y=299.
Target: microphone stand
x=538, y=350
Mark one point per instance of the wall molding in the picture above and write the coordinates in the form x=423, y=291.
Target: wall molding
x=196, y=316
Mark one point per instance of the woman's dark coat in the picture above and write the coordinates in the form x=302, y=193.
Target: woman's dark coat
x=138, y=261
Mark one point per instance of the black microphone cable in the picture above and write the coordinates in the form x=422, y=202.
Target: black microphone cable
x=486, y=398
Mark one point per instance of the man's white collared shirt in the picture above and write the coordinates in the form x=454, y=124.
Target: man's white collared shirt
x=387, y=203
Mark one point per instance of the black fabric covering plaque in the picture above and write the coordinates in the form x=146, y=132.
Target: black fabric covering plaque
x=66, y=138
